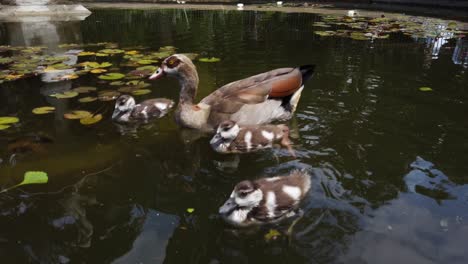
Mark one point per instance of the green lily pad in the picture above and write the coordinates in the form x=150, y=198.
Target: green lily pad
x=425, y=89
x=43, y=110
x=145, y=62
x=2, y=127
x=99, y=54
x=91, y=119
x=4, y=60
x=325, y=33
x=87, y=99
x=84, y=89
x=117, y=83
x=4, y=120
x=141, y=92
x=147, y=68
x=111, y=76
x=112, y=51
x=190, y=210
x=212, y=59
x=86, y=53
x=95, y=65
x=108, y=95
x=77, y=114
x=64, y=95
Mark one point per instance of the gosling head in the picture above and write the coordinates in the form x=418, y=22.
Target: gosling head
x=124, y=104
x=227, y=131
x=246, y=196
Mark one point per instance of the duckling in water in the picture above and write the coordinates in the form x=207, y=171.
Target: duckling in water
x=127, y=111
x=266, y=200
x=230, y=138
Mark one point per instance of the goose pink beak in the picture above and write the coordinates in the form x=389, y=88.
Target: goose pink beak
x=157, y=74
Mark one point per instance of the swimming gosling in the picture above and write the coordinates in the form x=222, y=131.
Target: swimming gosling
x=126, y=110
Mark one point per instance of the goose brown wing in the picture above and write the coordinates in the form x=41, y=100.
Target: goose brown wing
x=254, y=90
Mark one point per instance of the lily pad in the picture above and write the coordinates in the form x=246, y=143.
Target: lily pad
x=137, y=83
x=147, y=68
x=212, y=59
x=77, y=114
x=325, y=33
x=145, y=62
x=4, y=120
x=43, y=110
x=2, y=127
x=141, y=92
x=84, y=89
x=95, y=65
x=190, y=210
x=127, y=89
x=111, y=76
x=91, y=119
x=86, y=53
x=87, y=99
x=64, y=95
x=4, y=60
x=425, y=89
x=131, y=52
x=112, y=51
x=66, y=77
x=108, y=95
x=117, y=83
x=99, y=54
x=98, y=71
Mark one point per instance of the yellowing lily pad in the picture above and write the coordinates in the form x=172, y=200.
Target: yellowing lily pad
x=87, y=99
x=43, y=110
x=141, y=92
x=98, y=70
x=64, y=95
x=99, y=54
x=86, y=53
x=212, y=59
x=84, y=89
x=91, y=119
x=111, y=76
x=4, y=120
x=131, y=52
x=2, y=127
x=77, y=114
x=112, y=51
x=190, y=210
x=425, y=89
x=324, y=33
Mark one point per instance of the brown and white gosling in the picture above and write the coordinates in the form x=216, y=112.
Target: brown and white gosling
x=231, y=138
x=266, y=200
x=126, y=110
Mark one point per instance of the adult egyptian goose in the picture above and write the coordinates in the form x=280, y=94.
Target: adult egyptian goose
x=126, y=110
x=263, y=98
x=266, y=200
x=231, y=138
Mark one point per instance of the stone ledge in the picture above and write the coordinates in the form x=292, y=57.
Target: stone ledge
x=7, y=11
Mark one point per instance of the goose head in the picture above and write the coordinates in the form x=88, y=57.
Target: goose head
x=246, y=196
x=227, y=131
x=177, y=65
x=123, y=105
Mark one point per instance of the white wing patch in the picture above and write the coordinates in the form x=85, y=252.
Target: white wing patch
x=161, y=106
x=272, y=179
x=268, y=135
x=293, y=191
x=271, y=203
x=248, y=140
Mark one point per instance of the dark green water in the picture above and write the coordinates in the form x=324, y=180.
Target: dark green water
x=388, y=162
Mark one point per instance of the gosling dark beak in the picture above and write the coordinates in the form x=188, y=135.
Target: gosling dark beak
x=157, y=74
x=227, y=208
x=216, y=140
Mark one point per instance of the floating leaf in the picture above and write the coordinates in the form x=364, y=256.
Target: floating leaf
x=117, y=83
x=84, y=89
x=358, y=36
x=98, y=70
x=99, y=54
x=141, y=92
x=2, y=127
x=5, y=60
x=34, y=177
x=138, y=84
x=77, y=114
x=111, y=76
x=86, y=53
x=131, y=52
x=91, y=119
x=95, y=65
x=150, y=68
x=425, y=89
x=66, y=77
x=64, y=95
x=112, y=51
x=190, y=210
x=8, y=120
x=43, y=110
x=87, y=99
x=212, y=59
x=145, y=62
x=272, y=234
x=108, y=95
x=127, y=89
x=325, y=33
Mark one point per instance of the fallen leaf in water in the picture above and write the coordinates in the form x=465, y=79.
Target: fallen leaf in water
x=31, y=177
x=8, y=120
x=77, y=114
x=272, y=234
x=64, y=95
x=91, y=119
x=212, y=59
x=425, y=89
x=43, y=110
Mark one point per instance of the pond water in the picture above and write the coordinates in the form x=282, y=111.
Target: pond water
x=388, y=160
